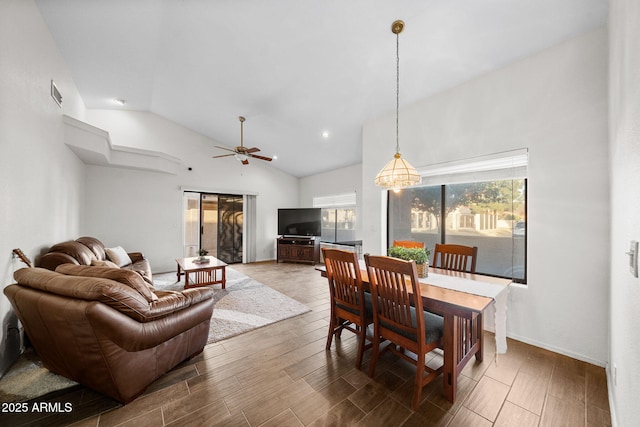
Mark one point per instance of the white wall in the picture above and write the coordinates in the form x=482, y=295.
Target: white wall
x=555, y=104
x=339, y=181
x=142, y=211
x=41, y=180
x=624, y=24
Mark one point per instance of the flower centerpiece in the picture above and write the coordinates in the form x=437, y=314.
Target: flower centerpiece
x=419, y=255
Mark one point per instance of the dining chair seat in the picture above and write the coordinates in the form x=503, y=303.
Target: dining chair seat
x=368, y=306
x=433, y=329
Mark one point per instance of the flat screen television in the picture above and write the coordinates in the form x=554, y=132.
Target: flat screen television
x=300, y=222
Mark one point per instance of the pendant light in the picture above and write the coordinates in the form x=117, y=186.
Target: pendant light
x=398, y=173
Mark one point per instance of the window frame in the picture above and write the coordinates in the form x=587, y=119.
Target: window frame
x=443, y=233
x=334, y=203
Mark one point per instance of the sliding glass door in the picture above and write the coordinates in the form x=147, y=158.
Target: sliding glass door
x=214, y=223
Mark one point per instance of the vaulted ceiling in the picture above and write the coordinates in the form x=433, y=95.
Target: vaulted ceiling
x=295, y=68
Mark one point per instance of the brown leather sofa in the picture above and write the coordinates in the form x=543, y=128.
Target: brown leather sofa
x=88, y=250
x=106, y=328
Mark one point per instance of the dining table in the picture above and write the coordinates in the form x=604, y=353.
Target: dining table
x=461, y=299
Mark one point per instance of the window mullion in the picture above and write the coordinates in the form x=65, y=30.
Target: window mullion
x=443, y=220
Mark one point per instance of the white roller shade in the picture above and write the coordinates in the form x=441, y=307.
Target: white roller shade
x=335, y=201
x=499, y=166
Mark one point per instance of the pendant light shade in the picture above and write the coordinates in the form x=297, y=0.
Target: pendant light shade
x=398, y=173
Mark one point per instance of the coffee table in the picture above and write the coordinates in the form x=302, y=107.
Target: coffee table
x=204, y=273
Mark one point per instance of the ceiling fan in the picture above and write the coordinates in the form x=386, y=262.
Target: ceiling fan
x=241, y=152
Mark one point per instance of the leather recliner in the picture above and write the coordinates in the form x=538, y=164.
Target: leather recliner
x=84, y=251
x=106, y=328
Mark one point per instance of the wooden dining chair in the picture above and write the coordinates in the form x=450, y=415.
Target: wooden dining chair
x=398, y=317
x=408, y=244
x=463, y=259
x=351, y=307
x=455, y=257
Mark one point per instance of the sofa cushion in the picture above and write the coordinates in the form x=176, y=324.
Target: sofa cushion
x=119, y=296
x=126, y=277
x=105, y=263
x=95, y=245
x=118, y=255
x=82, y=254
x=143, y=268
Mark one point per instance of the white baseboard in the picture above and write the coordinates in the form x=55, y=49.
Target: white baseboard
x=610, y=385
x=565, y=352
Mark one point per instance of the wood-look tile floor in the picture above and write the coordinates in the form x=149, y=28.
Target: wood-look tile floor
x=281, y=375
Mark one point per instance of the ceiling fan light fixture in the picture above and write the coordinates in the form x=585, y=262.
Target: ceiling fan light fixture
x=398, y=173
x=242, y=153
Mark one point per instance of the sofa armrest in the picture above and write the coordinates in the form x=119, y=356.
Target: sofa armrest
x=135, y=256
x=172, y=301
x=135, y=336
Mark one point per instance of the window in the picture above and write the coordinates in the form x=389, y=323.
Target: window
x=338, y=217
x=338, y=225
x=482, y=204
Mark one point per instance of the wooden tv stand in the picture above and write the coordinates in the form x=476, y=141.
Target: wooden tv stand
x=300, y=249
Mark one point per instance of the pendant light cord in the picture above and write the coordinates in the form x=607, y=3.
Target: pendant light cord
x=397, y=91
x=398, y=173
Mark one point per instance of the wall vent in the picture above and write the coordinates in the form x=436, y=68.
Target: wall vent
x=55, y=94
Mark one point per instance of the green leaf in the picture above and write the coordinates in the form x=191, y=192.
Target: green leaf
x=419, y=255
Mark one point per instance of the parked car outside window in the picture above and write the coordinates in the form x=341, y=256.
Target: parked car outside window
x=518, y=229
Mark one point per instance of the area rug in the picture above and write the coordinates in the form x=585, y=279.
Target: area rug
x=243, y=305
x=28, y=379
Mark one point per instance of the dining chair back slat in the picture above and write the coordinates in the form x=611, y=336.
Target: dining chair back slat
x=408, y=244
x=455, y=257
x=393, y=298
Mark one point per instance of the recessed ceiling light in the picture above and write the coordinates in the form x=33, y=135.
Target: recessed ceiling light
x=120, y=101
x=325, y=134
x=275, y=157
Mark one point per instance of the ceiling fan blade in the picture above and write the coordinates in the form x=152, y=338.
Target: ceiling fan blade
x=223, y=155
x=252, y=150
x=268, y=159
x=224, y=148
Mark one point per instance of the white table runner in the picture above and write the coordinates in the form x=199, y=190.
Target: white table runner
x=498, y=292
